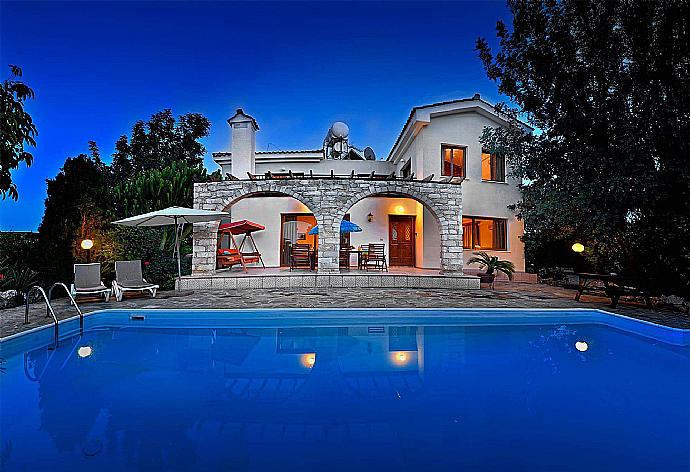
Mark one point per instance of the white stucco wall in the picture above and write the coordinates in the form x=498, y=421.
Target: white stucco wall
x=480, y=198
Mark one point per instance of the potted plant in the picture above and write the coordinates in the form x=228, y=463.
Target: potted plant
x=491, y=265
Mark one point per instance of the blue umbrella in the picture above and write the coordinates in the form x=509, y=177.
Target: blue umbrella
x=345, y=227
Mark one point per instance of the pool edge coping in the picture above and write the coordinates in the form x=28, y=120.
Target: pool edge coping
x=679, y=331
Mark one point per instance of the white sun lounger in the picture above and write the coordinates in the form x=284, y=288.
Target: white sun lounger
x=87, y=281
x=129, y=278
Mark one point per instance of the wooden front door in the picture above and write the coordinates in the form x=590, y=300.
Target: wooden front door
x=401, y=237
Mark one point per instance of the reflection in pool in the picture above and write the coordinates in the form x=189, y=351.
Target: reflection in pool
x=538, y=398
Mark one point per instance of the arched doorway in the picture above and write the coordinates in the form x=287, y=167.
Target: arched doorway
x=407, y=228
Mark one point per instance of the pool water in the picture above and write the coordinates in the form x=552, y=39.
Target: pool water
x=415, y=394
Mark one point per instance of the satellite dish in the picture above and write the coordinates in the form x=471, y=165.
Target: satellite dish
x=340, y=130
x=369, y=154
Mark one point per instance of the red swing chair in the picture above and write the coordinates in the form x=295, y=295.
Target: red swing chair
x=234, y=255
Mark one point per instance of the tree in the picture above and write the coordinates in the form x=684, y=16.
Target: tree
x=77, y=206
x=605, y=84
x=17, y=130
x=160, y=142
x=121, y=165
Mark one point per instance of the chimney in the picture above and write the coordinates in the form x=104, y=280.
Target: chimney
x=243, y=147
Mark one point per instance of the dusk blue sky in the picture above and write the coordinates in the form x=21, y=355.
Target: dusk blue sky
x=98, y=67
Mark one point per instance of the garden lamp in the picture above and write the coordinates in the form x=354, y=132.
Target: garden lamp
x=578, y=247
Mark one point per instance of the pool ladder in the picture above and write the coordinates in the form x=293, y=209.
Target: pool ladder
x=49, y=307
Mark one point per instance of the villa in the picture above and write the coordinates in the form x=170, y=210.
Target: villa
x=433, y=201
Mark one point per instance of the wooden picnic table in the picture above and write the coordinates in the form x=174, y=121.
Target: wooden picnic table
x=614, y=287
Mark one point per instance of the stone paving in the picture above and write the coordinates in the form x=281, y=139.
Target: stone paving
x=506, y=295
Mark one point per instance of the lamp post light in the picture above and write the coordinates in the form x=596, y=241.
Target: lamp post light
x=578, y=247
x=86, y=245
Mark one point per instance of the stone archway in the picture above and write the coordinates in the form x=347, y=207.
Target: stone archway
x=445, y=205
x=329, y=199
x=217, y=196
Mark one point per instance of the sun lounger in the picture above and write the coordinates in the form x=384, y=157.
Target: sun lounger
x=87, y=281
x=129, y=278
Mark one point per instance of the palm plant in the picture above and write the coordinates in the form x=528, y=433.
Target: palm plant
x=492, y=264
x=16, y=278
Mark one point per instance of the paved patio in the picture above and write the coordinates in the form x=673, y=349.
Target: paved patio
x=506, y=295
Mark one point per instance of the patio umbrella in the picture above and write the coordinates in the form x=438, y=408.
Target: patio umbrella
x=345, y=227
x=173, y=216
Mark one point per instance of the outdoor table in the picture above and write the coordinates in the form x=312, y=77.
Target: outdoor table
x=586, y=280
x=614, y=287
x=360, y=256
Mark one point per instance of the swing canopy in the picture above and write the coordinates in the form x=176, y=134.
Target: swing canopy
x=240, y=227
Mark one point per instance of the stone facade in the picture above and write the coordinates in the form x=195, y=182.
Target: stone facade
x=329, y=200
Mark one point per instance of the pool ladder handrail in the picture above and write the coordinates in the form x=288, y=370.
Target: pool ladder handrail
x=49, y=308
x=73, y=302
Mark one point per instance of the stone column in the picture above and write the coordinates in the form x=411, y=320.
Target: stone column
x=329, y=244
x=451, y=238
x=205, y=237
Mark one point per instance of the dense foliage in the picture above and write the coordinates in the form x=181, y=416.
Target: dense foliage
x=77, y=205
x=605, y=84
x=18, y=262
x=17, y=130
x=152, y=169
x=160, y=142
x=156, y=189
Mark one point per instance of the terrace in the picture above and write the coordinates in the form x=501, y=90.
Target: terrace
x=505, y=295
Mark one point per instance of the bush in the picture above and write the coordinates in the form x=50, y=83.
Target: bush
x=15, y=277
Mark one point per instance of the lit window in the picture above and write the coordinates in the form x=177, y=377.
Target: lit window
x=493, y=167
x=481, y=234
x=453, y=161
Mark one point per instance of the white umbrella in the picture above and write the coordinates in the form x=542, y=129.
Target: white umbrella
x=173, y=216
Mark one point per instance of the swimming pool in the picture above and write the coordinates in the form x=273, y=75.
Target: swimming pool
x=358, y=390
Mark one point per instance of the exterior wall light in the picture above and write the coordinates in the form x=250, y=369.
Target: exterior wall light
x=400, y=358
x=578, y=247
x=370, y=217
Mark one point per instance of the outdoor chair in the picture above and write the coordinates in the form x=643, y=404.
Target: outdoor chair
x=87, y=281
x=300, y=256
x=344, y=259
x=376, y=257
x=129, y=278
x=362, y=256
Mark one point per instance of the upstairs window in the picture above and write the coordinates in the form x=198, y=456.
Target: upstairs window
x=453, y=161
x=481, y=234
x=493, y=167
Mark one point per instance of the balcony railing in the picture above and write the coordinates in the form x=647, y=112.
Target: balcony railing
x=359, y=176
